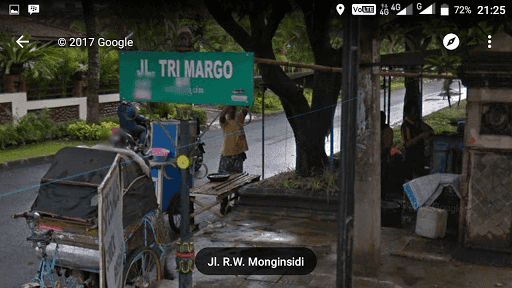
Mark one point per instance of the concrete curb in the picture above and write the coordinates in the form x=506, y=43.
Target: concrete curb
x=27, y=162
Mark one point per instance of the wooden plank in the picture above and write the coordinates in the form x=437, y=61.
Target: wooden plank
x=205, y=207
x=208, y=188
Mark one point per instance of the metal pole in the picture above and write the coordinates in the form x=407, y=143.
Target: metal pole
x=348, y=144
x=389, y=100
x=332, y=141
x=186, y=246
x=384, y=87
x=263, y=136
x=421, y=97
x=460, y=94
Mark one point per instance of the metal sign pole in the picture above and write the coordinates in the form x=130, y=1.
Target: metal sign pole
x=263, y=137
x=389, y=99
x=185, y=252
x=348, y=146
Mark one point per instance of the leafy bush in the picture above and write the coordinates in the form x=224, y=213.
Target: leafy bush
x=113, y=119
x=202, y=114
x=63, y=127
x=9, y=135
x=84, y=131
x=167, y=111
x=32, y=127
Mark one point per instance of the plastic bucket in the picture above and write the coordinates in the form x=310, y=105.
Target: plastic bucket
x=160, y=154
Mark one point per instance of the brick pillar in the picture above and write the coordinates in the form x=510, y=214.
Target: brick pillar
x=14, y=83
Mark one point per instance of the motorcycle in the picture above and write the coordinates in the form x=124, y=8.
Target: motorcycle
x=123, y=138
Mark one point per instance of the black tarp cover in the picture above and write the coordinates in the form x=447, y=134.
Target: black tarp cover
x=75, y=200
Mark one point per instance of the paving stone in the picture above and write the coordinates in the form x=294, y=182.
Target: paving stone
x=255, y=284
x=323, y=281
x=266, y=278
x=294, y=280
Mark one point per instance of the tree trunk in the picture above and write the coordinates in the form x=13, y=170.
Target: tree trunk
x=93, y=71
x=309, y=124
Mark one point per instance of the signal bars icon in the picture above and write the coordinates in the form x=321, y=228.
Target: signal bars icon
x=429, y=10
x=409, y=10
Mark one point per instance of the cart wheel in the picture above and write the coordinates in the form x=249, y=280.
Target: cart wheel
x=142, y=268
x=174, y=213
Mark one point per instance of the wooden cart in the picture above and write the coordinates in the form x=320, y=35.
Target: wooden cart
x=225, y=192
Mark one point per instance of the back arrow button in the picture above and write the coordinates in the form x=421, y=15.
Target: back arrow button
x=19, y=41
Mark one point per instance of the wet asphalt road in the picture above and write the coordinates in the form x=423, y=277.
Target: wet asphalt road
x=18, y=263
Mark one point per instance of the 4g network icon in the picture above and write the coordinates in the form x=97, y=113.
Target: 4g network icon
x=359, y=9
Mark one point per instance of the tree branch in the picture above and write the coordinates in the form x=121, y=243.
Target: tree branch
x=275, y=18
x=318, y=25
x=228, y=23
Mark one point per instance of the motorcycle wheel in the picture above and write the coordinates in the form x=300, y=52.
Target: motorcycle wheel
x=199, y=159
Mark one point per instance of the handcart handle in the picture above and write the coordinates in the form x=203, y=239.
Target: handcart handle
x=26, y=215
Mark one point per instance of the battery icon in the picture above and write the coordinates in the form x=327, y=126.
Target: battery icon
x=445, y=10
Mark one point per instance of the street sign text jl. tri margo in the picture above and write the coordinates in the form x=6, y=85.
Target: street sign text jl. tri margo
x=192, y=77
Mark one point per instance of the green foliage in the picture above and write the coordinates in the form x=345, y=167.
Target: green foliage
x=33, y=127
x=56, y=66
x=30, y=127
x=162, y=110
x=215, y=38
x=443, y=63
x=168, y=111
x=12, y=52
x=113, y=119
x=272, y=102
x=109, y=64
x=9, y=135
x=84, y=131
x=291, y=40
x=63, y=127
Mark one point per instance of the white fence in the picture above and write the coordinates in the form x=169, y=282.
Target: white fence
x=20, y=105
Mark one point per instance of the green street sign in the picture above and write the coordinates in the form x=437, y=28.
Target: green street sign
x=225, y=78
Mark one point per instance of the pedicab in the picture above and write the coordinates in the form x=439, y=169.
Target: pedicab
x=82, y=235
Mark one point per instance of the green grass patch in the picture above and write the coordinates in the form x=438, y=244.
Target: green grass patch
x=325, y=182
x=41, y=149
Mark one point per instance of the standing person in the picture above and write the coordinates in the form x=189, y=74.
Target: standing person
x=127, y=120
x=414, y=135
x=235, y=143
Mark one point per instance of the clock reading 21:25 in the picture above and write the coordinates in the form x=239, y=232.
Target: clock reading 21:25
x=491, y=10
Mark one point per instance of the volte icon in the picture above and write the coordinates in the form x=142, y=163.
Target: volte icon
x=340, y=8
